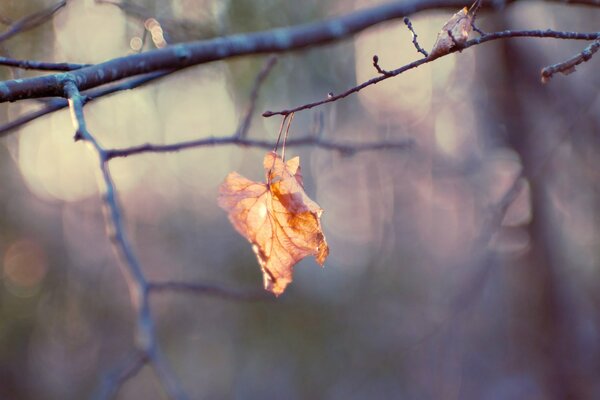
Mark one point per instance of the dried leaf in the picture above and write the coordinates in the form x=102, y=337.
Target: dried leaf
x=277, y=217
x=460, y=26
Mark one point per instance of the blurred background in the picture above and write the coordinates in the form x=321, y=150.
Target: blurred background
x=465, y=267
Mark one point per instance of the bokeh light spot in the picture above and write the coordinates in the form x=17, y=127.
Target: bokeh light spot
x=24, y=267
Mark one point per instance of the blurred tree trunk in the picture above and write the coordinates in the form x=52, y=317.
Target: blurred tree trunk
x=546, y=335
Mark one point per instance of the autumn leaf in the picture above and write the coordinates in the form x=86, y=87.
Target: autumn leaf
x=277, y=217
x=459, y=26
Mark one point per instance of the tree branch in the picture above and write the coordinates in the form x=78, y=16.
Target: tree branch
x=239, y=136
x=90, y=95
x=568, y=66
x=473, y=42
x=260, y=78
x=309, y=140
x=137, y=284
x=31, y=21
x=414, y=37
x=199, y=52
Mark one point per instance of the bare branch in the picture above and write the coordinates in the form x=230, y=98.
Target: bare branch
x=473, y=42
x=31, y=21
x=80, y=85
x=137, y=284
x=345, y=148
x=568, y=66
x=239, y=137
x=377, y=67
x=260, y=78
x=414, y=37
x=40, y=65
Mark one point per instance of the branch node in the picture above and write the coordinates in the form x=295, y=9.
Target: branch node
x=258, y=82
x=476, y=28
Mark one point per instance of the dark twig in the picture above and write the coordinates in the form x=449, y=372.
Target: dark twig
x=473, y=42
x=377, y=67
x=31, y=21
x=249, y=113
x=331, y=98
x=476, y=28
x=345, y=148
x=40, y=65
x=568, y=66
x=204, y=289
x=115, y=378
x=473, y=11
x=414, y=37
x=137, y=283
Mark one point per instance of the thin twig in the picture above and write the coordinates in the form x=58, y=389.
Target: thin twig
x=473, y=42
x=204, y=289
x=137, y=284
x=377, y=67
x=249, y=113
x=414, y=37
x=285, y=137
x=344, y=148
x=568, y=66
x=31, y=21
x=40, y=65
x=473, y=11
x=476, y=28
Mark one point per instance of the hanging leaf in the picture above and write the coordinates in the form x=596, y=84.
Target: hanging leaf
x=277, y=217
x=459, y=26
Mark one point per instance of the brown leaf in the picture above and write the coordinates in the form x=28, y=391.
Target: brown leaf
x=460, y=26
x=278, y=218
